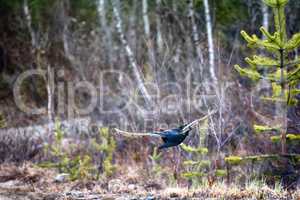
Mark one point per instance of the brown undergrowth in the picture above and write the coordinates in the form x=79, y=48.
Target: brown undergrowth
x=30, y=181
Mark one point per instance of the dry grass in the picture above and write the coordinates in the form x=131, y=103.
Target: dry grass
x=30, y=180
x=222, y=191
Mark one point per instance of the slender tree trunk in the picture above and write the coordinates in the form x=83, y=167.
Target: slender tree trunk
x=195, y=34
x=75, y=64
x=281, y=107
x=179, y=47
x=265, y=14
x=211, y=51
x=29, y=25
x=106, y=39
x=133, y=26
x=50, y=90
x=174, y=5
x=149, y=44
x=130, y=55
x=265, y=23
x=159, y=40
x=146, y=19
x=37, y=56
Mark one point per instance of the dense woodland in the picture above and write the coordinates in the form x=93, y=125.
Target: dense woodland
x=71, y=71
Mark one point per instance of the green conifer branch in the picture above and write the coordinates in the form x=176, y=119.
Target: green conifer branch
x=280, y=24
x=236, y=160
x=276, y=3
x=268, y=35
x=252, y=74
x=190, y=175
x=201, y=164
x=293, y=43
x=294, y=63
x=262, y=128
x=190, y=149
x=255, y=42
x=262, y=61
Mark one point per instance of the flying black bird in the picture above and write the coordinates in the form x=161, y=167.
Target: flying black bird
x=170, y=137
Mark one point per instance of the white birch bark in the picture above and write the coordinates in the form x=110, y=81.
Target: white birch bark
x=211, y=52
x=195, y=33
x=265, y=23
x=159, y=40
x=107, y=39
x=265, y=14
x=29, y=24
x=75, y=63
x=130, y=55
x=132, y=26
x=174, y=5
x=49, y=79
x=149, y=44
x=50, y=90
x=146, y=19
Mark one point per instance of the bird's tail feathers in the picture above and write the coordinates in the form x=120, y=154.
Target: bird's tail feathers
x=133, y=134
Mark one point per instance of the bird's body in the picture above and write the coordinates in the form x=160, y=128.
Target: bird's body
x=173, y=137
x=170, y=137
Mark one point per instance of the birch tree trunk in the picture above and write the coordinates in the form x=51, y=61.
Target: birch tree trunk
x=29, y=25
x=37, y=56
x=50, y=90
x=75, y=63
x=265, y=15
x=132, y=26
x=106, y=38
x=174, y=5
x=150, y=49
x=211, y=51
x=130, y=55
x=188, y=39
x=265, y=23
x=195, y=34
x=159, y=40
x=146, y=19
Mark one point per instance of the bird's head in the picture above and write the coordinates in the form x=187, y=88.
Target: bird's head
x=182, y=126
x=160, y=130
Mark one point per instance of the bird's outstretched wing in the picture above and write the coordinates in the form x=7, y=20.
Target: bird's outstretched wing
x=185, y=129
x=193, y=123
x=133, y=134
